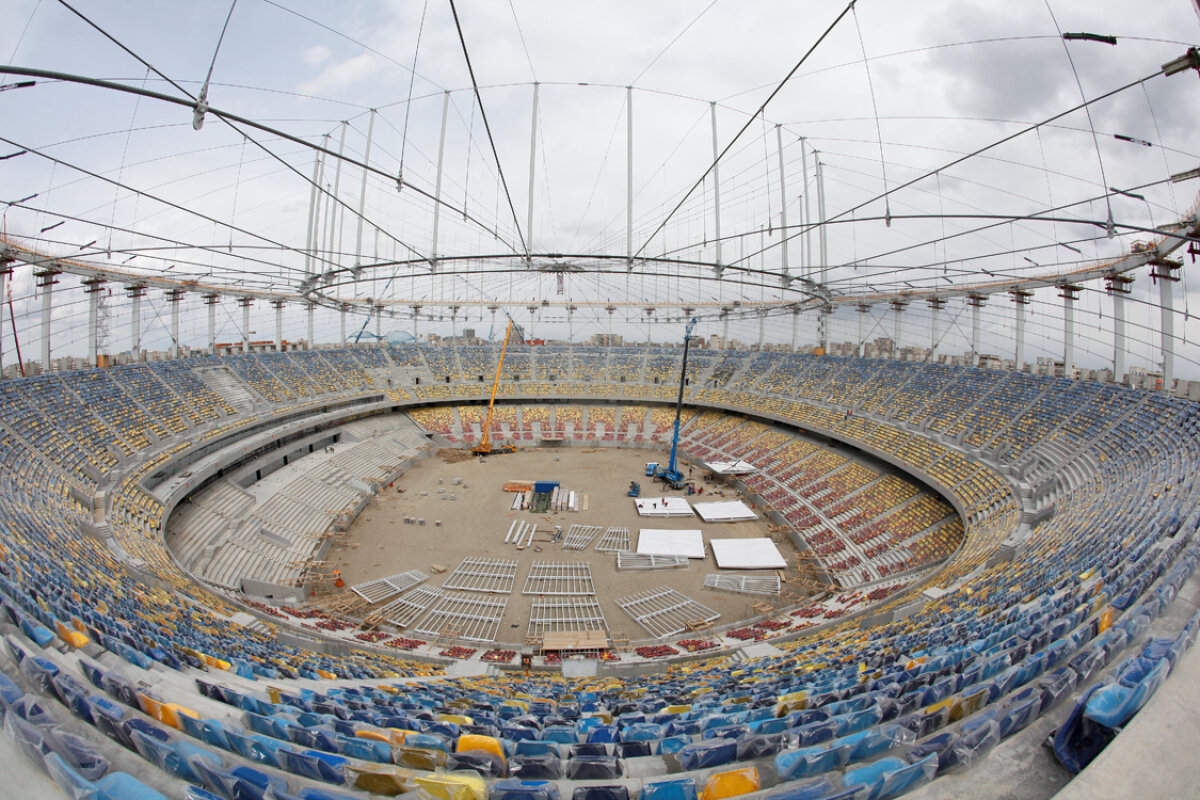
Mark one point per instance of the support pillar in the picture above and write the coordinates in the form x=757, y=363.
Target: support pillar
x=795, y=326
x=784, y=233
x=806, y=233
x=571, y=323
x=1117, y=287
x=278, y=306
x=762, y=321
x=898, y=307
x=716, y=176
x=46, y=279
x=211, y=299
x=629, y=178
x=936, y=304
x=826, y=313
x=334, y=245
x=5, y=270
x=821, y=216
x=311, y=308
x=1166, y=272
x=379, y=324
x=725, y=328
x=135, y=292
x=437, y=185
x=92, y=288
x=975, y=301
x=362, y=204
x=532, y=163
x=342, y=339
x=416, y=309
x=1069, y=293
x=173, y=297
x=863, y=310
x=245, y=303
x=1020, y=299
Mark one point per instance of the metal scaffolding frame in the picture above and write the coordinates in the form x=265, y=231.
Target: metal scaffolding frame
x=404, y=610
x=492, y=575
x=561, y=614
x=383, y=588
x=663, y=612
x=615, y=540
x=471, y=617
x=559, y=577
x=744, y=584
x=580, y=536
x=627, y=562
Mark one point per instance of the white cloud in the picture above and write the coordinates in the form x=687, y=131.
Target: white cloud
x=316, y=55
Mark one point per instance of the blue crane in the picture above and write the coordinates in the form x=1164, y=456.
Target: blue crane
x=671, y=474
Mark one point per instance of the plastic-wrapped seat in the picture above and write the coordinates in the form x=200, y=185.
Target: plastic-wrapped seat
x=453, y=786
x=613, y=792
x=675, y=789
x=312, y=764
x=634, y=749
x=172, y=757
x=971, y=745
x=541, y=766
x=383, y=779
x=239, y=783
x=115, y=785
x=818, y=789
x=935, y=744
x=809, y=761
x=708, y=753
x=512, y=789
x=731, y=783
x=594, y=767
x=1055, y=685
x=1115, y=704
x=483, y=762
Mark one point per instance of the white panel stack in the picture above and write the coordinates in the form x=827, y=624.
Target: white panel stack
x=671, y=543
x=725, y=511
x=747, y=554
x=662, y=507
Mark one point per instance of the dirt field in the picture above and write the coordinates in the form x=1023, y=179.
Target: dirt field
x=475, y=523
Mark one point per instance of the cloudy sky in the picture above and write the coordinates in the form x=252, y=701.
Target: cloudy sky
x=908, y=102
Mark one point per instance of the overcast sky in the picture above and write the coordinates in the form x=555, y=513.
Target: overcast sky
x=941, y=81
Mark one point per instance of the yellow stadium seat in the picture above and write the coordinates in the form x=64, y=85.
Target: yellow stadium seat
x=74, y=638
x=380, y=779
x=730, y=784
x=457, y=719
x=453, y=786
x=968, y=704
x=474, y=741
x=420, y=758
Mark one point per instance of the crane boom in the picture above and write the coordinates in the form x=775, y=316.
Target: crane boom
x=671, y=474
x=485, y=446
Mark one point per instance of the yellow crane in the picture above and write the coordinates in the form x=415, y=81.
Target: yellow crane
x=484, y=448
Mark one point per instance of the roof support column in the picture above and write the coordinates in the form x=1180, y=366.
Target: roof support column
x=716, y=175
x=45, y=281
x=975, y=301
x=173, y=297
x=1165, y=271
x=1117, y=287
x=211, y=299
x=1020, y=299
x=437, y=185
x=278, y=305
x=532, y=163
x=245, y=303
x=92, y=288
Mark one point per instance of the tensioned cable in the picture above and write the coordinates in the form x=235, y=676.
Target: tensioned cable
x=747, y=124
x=412, y=77
x=1087, y=110
x=521, y=34
x=671, y=43
x=226, y=118
x=887, y=209
x=976, y=152
x=487, y=127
